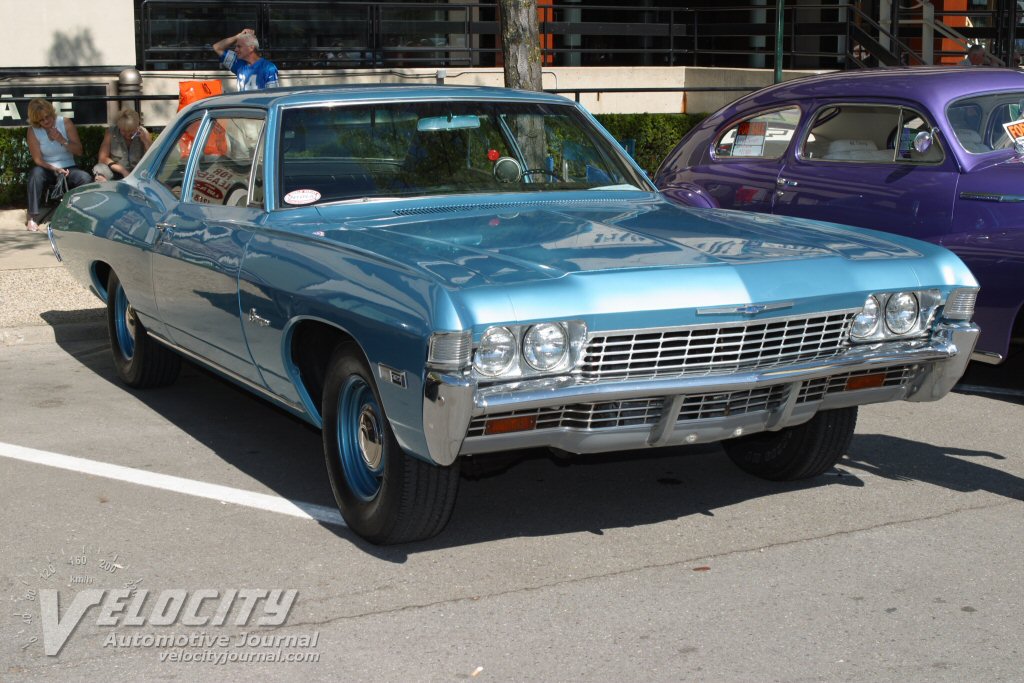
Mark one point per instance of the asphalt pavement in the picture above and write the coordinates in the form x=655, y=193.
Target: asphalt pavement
x=902, y=564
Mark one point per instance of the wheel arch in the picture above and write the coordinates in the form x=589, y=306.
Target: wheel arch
x=308, y=347
x=99, y=272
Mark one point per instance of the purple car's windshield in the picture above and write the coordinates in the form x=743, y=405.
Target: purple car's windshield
x=335, y=153
x=977, y=121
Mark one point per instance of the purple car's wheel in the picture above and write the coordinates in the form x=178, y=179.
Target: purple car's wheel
x=385, y=495
x=139, y=361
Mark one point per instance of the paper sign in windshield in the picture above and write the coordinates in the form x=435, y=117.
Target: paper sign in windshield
x=1015, y=129
x=299, y=197
x=750, y=139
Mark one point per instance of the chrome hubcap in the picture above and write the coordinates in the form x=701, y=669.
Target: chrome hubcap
x=370, y=446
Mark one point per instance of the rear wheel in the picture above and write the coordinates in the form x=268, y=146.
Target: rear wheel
x=139, y=361
x=385, y=495
x=799, y=452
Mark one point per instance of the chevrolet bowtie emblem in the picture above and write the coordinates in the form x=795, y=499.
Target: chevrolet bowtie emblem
x=746, y=309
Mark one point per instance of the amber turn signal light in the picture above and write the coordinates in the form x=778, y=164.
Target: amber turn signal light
x=865, y=382
x=506, y=425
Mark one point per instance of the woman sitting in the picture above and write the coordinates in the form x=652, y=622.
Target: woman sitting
x=123, y=145
x=53, y=143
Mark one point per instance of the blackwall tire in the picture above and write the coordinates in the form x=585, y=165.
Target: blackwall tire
x=139, y=361
x=800, y=452
x=385, y=495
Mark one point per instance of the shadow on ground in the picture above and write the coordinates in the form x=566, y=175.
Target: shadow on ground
x=536, y=494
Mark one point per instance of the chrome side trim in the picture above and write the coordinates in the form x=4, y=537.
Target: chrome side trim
x=296, y=408
x=993, y=197
x=990, y=357
x=53, y=243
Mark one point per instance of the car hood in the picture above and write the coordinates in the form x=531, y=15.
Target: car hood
x=509, y=242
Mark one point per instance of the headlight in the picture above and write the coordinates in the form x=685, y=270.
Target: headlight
x=496, y=352
x=545, y=345
x=867, y=320
x=901, y=312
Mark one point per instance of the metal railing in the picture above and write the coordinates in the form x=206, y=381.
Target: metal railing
x=317, y=34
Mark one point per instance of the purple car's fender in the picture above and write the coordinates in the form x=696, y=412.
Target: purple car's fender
x=690, y=194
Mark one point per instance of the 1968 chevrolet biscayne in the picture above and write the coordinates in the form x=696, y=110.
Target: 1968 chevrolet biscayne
x=429, y=274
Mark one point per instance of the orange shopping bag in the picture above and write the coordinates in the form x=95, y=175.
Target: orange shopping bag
x=189, y=92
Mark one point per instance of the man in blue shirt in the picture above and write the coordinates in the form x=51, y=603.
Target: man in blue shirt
x=252, y=71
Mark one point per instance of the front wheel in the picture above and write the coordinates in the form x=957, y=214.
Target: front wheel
x=139, y=361
x=385, y=495
x=799, y=452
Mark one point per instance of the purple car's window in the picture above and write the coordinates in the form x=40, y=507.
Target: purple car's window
x=977, y=121
x=868, y=133
x=422, y=148
x=765, y=135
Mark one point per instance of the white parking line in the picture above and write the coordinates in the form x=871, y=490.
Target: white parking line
x=189, y=487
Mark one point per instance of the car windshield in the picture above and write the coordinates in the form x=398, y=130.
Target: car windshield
x=334, y=153
x=977, y=121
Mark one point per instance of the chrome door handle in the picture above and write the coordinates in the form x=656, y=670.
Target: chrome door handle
x=164, y=226
x=783, y=182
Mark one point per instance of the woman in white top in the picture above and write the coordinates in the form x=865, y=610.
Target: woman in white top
x=53, y=143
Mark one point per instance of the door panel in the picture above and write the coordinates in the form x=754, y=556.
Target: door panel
x=202, y=240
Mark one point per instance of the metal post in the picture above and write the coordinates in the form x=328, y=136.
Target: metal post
x=779, y=8
x=928, y=32
x=129, y=82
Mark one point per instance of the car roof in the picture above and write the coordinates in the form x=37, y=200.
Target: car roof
x=299, y=95
x=933, y=87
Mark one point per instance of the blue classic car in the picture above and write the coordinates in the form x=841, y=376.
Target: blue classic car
x=429, y=274
x=923, y=152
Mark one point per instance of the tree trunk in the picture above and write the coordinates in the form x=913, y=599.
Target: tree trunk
x=520, y=44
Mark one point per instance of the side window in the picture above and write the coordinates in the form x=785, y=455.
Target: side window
x=172, y=171
x=764, y=136
x=913, y=125
x=225, y=167
x=853, y=132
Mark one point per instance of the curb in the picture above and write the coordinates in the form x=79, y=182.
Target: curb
x=47, y=334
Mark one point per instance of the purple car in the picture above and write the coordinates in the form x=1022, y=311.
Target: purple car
x=924, y=152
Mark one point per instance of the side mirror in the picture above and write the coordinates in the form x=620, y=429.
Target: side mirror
x=508, y=170
x=922, y=142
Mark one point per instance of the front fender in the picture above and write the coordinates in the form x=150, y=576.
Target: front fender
x=690, y=194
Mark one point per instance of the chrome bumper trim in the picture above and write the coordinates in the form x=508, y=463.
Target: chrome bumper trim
x=450, y=402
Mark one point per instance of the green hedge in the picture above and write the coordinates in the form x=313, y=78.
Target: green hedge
x=654, y=136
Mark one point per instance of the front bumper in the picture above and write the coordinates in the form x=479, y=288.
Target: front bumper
x=583, y=416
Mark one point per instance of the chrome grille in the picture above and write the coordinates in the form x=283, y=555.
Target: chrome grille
x=817, y=389
x=642, y=411
x=707, y=406
x=712, y=349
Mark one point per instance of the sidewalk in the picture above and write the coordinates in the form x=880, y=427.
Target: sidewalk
x=39, y=301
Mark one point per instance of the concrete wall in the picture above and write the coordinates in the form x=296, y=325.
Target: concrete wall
x=67, y=33
x=166, y=82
